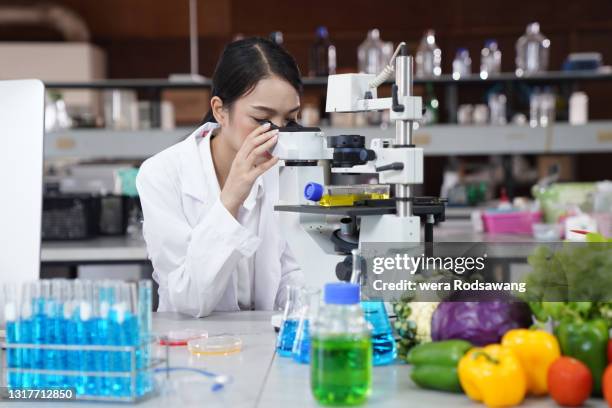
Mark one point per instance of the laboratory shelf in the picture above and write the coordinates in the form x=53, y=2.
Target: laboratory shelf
x=161, y=83
x=438, y=140
x=89, y=144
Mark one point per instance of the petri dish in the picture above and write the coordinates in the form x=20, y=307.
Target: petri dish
x=176, y=338
x=222, y=345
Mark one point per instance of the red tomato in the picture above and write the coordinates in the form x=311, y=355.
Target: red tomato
x=569, y=382
x=610, y=351
x=606, y=384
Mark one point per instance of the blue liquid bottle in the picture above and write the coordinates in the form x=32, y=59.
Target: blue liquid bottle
x=289, y=325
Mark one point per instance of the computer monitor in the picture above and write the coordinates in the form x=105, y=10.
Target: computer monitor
x=21, y=178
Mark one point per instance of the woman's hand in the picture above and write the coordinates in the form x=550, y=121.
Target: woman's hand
x=251, y=161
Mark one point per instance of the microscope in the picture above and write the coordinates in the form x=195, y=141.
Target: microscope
x=321, y=236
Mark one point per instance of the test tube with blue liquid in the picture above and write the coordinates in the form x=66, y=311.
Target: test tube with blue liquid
x=145, y=325
x=41, y=292
x=290, y=321
x=11, y=320
x=124, y=333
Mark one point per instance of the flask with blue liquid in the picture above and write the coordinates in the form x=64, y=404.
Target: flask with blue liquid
x=289, y=325
x=301, y=344
x=383, y=343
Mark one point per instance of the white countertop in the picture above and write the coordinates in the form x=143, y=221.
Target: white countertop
x=262, y=379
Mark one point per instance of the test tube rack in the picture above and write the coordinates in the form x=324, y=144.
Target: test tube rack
x=133, y=373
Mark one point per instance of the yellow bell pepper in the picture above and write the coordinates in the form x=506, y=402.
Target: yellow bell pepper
x=537, y=350
x=493, y=375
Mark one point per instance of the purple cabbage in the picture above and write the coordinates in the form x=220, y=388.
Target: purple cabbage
x=480, y=323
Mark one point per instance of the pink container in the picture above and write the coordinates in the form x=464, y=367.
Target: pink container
x=510, y=222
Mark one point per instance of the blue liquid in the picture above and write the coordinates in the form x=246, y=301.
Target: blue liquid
x=13, y=356
x=383, y=343
x=48, y=325
x=144, y=381
x=124, y=333
x=25, y=337
x=286, y=336
x=301, y=349
x=37, y=356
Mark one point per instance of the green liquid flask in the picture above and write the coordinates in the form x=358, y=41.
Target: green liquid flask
x=341, y=349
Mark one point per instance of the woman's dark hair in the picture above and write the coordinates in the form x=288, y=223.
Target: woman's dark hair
x=244, y=63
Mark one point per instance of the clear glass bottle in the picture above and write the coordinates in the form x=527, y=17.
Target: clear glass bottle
x=373, y=54
x=322, y=54
x=462, y=64
x=428, y=56
x=532, y=50
x=497, y=108
x=341, y=359
x=534, y=107
x=542, y=109
x=490, y=59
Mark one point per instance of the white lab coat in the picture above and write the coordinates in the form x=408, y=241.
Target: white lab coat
x=195, y=244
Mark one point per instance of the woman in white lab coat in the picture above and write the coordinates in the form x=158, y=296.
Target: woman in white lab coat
x=209, y=223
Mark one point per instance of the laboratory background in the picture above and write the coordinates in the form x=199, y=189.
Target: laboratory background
x=456, y=127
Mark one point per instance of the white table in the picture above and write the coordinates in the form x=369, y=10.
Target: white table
x=262, y=379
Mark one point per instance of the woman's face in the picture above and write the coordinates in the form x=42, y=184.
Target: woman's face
x=272, y=99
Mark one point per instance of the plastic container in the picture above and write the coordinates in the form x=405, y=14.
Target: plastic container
x=332, y=196
x=578, y=108
x=341, y=364
x=428, y=56
x=462, y=64
x=532, y=50
x=510, y=222
x=490, y=59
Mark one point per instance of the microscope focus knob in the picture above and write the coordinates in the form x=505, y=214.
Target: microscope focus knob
x=344, y=269
x=367, y=155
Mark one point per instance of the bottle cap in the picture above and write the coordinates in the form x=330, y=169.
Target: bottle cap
x=322, y=32
x=313, y=191
x=341, y=293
